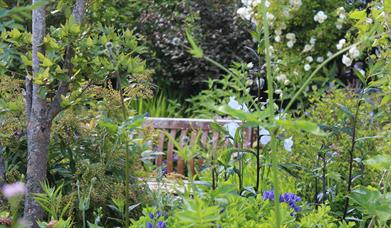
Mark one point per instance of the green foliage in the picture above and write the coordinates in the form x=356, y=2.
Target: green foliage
x=52, y=201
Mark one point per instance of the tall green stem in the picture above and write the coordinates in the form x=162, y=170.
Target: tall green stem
x=270, y=103
x=127, y=158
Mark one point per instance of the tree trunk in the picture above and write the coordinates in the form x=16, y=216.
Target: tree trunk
x=38, y=126
x=40, y=114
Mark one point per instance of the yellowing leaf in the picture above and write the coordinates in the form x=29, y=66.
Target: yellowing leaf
x=14, y=33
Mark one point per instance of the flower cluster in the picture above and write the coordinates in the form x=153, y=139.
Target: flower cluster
x=249, y=9
x=13, y=190
x=291, y=39
x=320, y=17
x=156, y=216
x=341, y=17
x=289, y=198
x=353, y=53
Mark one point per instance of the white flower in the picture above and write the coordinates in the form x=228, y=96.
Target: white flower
x=232, y=127
x=320, y=17
x=278, y=31
x=247, y=2
x=307, y=67
x=270, y=17
x=319, y=59
x=15, y=189
x=288, y=143
x=340, y=44
x=307, y=48
x=250, y=65
x=329, y=54
x=309, y=59
x=338, y=26
x=278, y=91
x=286, y=82
x=291, y=36
x=277, y=38
x=290, y=44
x=244, y=13
x=234, y=104
x=267, y=3
x=369, y=20
x=281, y=77
x=346, y=60
x=265, y=136
x=354, y=52
x=313, y=40
x=295, y=3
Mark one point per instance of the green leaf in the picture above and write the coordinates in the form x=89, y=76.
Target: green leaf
x=345, y=110
x=195, y=50
x=302, y=125
x=379, y=162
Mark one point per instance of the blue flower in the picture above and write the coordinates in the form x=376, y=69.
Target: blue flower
x=149, y=225
x=161, y=224
x=158, y=214
x=289, y=198
x=151, y=216
x=268, y=195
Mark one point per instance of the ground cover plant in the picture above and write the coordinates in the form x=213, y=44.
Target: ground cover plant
x=80, y=81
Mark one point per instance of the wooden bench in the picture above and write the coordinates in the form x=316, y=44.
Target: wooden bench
x=182, y=128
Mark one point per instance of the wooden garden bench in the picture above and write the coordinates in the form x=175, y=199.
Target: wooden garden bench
x=182, y=128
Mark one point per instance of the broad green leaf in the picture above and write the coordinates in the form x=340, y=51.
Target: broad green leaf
x=379, y=162
x=302, y=125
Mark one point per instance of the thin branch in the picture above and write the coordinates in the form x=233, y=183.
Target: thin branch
x=55, y=107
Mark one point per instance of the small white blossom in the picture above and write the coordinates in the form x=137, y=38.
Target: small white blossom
x=346, y=60
x=278, y=31
x=341, y=43
x=296, y=3
x=290, y=44
x=277, y=38
x=369, y=20
x=319, y=59
x=308, y=47
x=278, y=91
x=244, y=13
x=291, y=36
x=354, y=52
x=281, y=77
x=307, y=67
x=309, y=59
x=338, y=26
x=286, y=82
x=313, y=40
x=288, y=143
x=329, y=54
x=250, y=65
x=320, y=17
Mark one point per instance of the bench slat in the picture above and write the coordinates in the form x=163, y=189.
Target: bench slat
x=160, y=148
x=170, y=152
x=181, y=163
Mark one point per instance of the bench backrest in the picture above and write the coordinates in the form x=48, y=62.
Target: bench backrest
x=182, y=128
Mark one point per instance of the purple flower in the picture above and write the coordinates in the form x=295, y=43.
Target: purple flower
x=15, y=189
x=151, y=216
x=158, y=214
x=161, y=224
x=289, y=198
x=268, y=195
x=149, y=225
